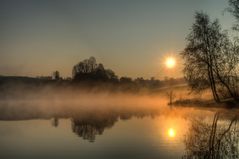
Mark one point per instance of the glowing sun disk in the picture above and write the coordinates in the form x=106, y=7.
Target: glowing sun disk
x=170, y=62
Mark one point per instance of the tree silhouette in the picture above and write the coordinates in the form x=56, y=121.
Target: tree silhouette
x=56, y=75
x=211, y=59
x=234, y=10
x=89, y=70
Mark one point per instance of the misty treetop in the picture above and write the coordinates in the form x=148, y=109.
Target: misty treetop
x=90, y=70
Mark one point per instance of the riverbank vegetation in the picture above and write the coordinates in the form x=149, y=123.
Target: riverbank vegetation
x=211, y=57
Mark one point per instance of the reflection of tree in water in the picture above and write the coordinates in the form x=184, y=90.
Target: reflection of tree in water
x=89, y=124
x=218, y=140
x=88, y=127
x=55, y=122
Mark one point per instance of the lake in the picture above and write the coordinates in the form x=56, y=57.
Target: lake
x=143, y=133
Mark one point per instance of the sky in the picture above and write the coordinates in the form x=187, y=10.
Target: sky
x=131, y=37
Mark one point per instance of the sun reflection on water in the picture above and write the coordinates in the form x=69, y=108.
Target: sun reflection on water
x=171, y=133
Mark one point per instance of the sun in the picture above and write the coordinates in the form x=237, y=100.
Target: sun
x=171, y=132
x=170, y=62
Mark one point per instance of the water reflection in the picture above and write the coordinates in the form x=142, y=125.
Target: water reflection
x=166, y=133
x=217, y=139
x=55, y=122
x=88, y=127
x=171, y=132
x=90, y=124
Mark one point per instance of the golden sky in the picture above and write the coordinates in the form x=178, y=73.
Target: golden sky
x=131, y=37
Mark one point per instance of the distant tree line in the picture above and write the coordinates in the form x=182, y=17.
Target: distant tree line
x=89, y=75
x=90, y=71
x=211, y=57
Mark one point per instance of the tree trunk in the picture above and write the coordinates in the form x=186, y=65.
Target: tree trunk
x=231, y=93
x=210, y=69
x=212, y=85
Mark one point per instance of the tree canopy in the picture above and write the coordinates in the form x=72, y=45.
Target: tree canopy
x=90, y=70
x=211, y=59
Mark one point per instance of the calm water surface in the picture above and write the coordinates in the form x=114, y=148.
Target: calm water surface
x=172, y=133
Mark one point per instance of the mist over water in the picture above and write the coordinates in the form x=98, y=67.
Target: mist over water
x=92, y=123
x=67, y=122
x=54, y=101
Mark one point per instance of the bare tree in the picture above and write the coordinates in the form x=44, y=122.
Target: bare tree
x=226, y=67
x=170, y=94
x=199, y=52
x=234, y=10
x=211, y=59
